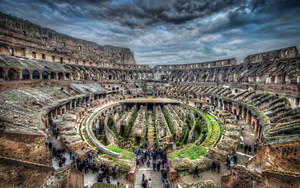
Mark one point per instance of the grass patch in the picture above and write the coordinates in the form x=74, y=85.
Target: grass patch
x=191, y=152
x=126, y=154
x=213, y=130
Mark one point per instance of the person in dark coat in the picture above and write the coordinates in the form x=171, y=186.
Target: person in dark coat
x=154, y=165
x=246, y=148
x=148, y=163
x=249, y=149
x=143, y=179
x=196, y=172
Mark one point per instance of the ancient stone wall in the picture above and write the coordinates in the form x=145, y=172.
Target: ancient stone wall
x=283, y=156
x=25, y=39
x=15, y=173
x=24, y=146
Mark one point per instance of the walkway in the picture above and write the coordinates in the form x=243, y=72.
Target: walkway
x=249, y=139
x=149, y=173
x=206, y=175
x=150, y=134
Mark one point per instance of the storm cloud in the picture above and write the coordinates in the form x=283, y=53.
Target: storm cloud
x=173, y=31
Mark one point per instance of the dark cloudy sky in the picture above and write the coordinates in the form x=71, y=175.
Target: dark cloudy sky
x=170, y=31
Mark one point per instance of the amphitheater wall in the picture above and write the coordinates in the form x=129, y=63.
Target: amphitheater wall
x=280, y=157
x=24, y=146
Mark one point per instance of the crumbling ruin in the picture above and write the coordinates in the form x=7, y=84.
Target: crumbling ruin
x=102, y=102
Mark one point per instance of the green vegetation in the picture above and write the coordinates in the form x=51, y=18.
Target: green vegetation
x=156, y=144
x=110, y=125
x=88, y=140
x=105, y=185
x=80, y=133
x=191, y=152
x=184, y=138
x=126, y=154
x=213, y=130
x=130, y=124
x=170, y=124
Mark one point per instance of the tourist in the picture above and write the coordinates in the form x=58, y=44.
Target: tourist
x=154, y=165
x=241, y=142
x=255, y=147
x=196, y=172
x=63, y=160
x=148, y=163
x=114, y=172
x=107, y=179
x=235, y=159
x=145, y=184
x=246, y=149
x=158, y=165
x=213, y=166
x=100, y=177
x=164, y=175
x=228, y=163
x=143, y=160
x=167, y=166
x=167, y=184
x=94, y=167
x=50, y=146
x=143, y=179
x=86, y=167
x=249, y=149
x=149, y=183
x=70, y=154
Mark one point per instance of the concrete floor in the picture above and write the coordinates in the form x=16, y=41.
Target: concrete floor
x=149, y=173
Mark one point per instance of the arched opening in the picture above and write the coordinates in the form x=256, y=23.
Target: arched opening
x=273, y=79
x=86, y=77
x=68, y=76
x=35, y=75
x=13, y=74
x=110, y=77
x=2, y=74
x=45, y=75
x=53, y=76
x=25, y=75
x=61, y=76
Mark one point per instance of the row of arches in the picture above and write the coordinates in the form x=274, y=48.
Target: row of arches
x=13, y=74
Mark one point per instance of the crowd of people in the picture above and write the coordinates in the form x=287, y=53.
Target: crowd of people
x=85, y=165
x=231, y=159
x=160, y=163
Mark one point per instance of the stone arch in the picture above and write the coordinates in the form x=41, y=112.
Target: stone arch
x=53, y=76
x=2, y=74
x=60, y=76
x=36, y=75
x=86, y=76
x=45, y=75
x=68, y=76
x=13, y=74
x=25, y=75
